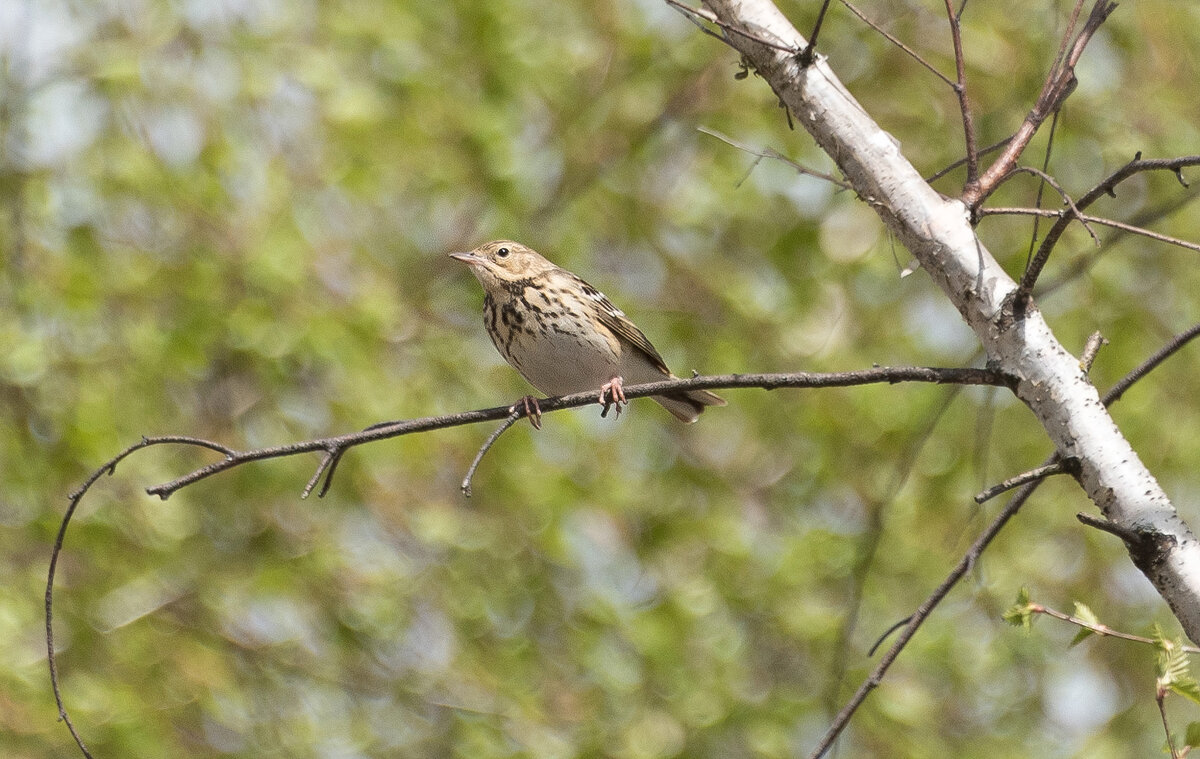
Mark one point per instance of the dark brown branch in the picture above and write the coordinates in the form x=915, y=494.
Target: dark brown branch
x=1080, y=266
x=334, y=447
x=715, y=382
x=920, y=615
x=960, y=89
x=1059, y=84
x=109, y=468
x=1047, y=179
x=806, y=55
x=1170, y=349
x=1106, y=187
x=509, y=421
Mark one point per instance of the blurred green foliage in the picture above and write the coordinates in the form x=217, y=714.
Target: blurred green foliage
x=230, y=219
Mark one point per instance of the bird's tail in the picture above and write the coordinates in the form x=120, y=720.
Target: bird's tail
x=687, y=406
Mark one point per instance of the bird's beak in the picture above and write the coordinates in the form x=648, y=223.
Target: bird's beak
x=467, y=258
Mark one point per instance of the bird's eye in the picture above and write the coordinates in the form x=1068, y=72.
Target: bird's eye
x=502, y=253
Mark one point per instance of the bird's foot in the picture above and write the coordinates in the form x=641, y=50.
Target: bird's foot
x=612, y=393
x=533, y=412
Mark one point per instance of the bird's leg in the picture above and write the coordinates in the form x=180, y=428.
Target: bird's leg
x=612, y=393
x=532, y=410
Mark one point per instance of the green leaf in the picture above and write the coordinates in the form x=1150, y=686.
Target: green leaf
x=1020, y=614
x=1173, y=668
x=1193, y=734
x=1084, y=614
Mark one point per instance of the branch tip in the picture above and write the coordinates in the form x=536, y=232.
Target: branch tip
x=1131, y=537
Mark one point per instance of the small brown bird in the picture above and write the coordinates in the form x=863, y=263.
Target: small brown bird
x=563, y=335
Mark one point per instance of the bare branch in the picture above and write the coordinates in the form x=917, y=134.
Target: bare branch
x=1060, y=83
x=1046, y=178
x=512, y=419
x=806, y=55
x=1106, y=187
x=944, y=171
x=714, y=382
x=1170, y=349
x=960, y=89
x=925, y=609
x=1038, y=473
x=334, y=447
x=919, y=616
x=1130, y=228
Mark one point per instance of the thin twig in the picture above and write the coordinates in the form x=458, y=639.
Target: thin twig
x=886, y=634
x=512, y=419
x=892, y=39
x=333, y=447
x=944, y=171
x=1099, y=629
x=960, y=89
x=1105, y=187
x=776, y=156
x=1080, y=266
x=1130, y=228
x=919, y=616
x=1038, y=473
x=1160, y=696
x=971, y=556
x=1037, y=202
x=806, y=55
x=1162, y=354
x=711, y=17
x=1059, y=85
x=1046, y=178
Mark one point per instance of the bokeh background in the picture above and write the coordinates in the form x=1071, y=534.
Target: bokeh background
x=229, y=219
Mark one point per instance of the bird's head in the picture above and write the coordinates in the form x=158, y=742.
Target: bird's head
x=503, y=261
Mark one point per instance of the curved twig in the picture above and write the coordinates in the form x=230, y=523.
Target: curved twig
x=1071, y=206
x=512, y=419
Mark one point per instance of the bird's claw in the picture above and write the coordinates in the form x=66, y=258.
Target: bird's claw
x=529, y=406
x=612, y=393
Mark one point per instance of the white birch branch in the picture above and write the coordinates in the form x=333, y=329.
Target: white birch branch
x=936, y=230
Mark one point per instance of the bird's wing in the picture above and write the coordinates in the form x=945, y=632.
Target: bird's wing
x=616, y=320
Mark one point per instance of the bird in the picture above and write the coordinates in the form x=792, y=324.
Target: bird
x=564, y=336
